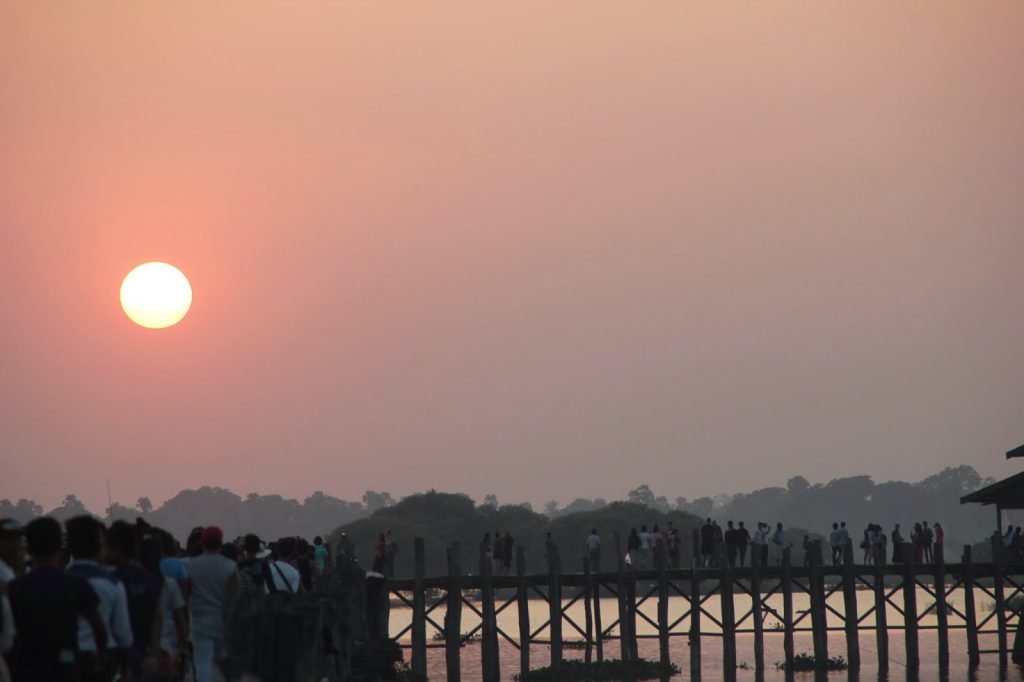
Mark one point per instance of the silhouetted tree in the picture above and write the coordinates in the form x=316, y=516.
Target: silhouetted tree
x=375, y=501
x=797, y=484
x=144, y=505
x=491, y=501
x=642, y=495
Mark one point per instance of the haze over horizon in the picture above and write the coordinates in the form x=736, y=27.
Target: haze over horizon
x=531, y=251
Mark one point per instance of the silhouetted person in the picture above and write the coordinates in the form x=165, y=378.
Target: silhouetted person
x=836, y=543
x=85, y=542
x=214, y=584
x=732, y=545
x=929, y=537
x=707, y=542
x=779, y=541
x=633, y=549
x=594, y=550
x=47, y=603
x=144, y=590
x=742, y=541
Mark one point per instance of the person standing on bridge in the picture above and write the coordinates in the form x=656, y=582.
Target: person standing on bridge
x=779, y=541
x=593, y=544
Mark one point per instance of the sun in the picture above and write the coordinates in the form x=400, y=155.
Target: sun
x=156, y=295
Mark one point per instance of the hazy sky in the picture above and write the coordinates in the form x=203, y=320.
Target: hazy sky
x=544, y=250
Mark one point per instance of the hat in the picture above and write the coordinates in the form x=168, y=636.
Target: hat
x=212, y=534
x=9, y=528
x=263, y=553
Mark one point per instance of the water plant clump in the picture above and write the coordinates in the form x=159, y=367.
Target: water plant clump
x=809, y=662
x=580, y=671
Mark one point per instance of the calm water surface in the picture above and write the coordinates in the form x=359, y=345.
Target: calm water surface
x=508, y=620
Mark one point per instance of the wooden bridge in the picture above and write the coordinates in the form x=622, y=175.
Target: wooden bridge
x=893, y=585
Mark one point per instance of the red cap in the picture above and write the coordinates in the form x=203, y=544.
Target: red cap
x=212, y=535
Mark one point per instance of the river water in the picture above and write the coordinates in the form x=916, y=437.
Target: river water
x=508, y=621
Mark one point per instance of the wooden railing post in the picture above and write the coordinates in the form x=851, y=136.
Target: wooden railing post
x=555, y=603
x=661, y=560
x=695, y=608
x=419, y=617
x=523, y=606
x=488, y=630
x=757, y=612
x=453, y=615
x=623, y=610
x=881, y=618
x=941, y=608
x=787, y=608
x=850, y=607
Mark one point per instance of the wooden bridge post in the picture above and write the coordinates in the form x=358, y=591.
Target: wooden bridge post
x=941, y=608
x=998, y=567
x=973, y=653
x=623, y=611
x=787, y=607
x=453, y=615
x=728, y=613
x=881, y=618
x=598, y=626
x=910, y=609
x=634, y=652
x=419, y=617
x=555, y=603
x=757, y=612
x=488, y=630
x=850, y=614
x=523, y=606
x=588, y=596
x=695, y=608
x=661, y=559
x=819, y=623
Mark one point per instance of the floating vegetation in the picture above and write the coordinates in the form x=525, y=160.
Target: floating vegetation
x=439, y=636
x=579, y=671
x=809, y=662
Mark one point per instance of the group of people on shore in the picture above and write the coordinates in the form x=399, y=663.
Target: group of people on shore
x=85, y=602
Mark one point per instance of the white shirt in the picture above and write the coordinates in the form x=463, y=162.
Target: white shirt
x=171, y=600
x=286, y=579
x=113, y=607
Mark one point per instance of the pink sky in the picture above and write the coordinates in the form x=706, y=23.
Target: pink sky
x=539, y=250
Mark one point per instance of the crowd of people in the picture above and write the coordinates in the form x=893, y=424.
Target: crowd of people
x=875, y=543
x=90, y=603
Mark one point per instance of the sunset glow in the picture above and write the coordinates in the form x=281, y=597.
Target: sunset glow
x=156, y=295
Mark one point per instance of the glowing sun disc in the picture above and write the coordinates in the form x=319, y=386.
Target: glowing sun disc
x=156, y=295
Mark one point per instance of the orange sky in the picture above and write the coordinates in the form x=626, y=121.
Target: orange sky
x=540, y=250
